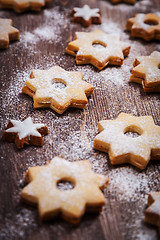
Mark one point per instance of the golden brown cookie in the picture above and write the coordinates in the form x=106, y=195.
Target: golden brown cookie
x=72, y=203
x=86, y=15
x=122, y=148
x=45, y=88
x=7, y=32
x=146, y=71
x=125, y=1
x=23, y=5
x=146, y=26
x=112, y=52
x=152, y=213
x=25, y=133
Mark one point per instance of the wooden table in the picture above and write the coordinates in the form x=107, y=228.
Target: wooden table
x=43, y=38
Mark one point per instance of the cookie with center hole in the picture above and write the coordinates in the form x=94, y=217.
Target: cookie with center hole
x=146, y=26
x=58, y=89
x=117, y=139
x=23, y=5
x=72, y=203
x=7, y=32
x=146, y=71
x=152, y=213
x=110, y=50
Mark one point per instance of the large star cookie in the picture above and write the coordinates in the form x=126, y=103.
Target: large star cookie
x=25, y=133
x=71, y=203
x=125, y=1
x=23, y=5
x=86, y=15
x=146, y=71
x=122, y=148
x=152, y=213
x=146, y=26
x=7, y=32
x=42, y=86
x=112, y=52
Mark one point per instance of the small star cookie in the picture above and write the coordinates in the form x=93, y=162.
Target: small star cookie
x=146, y=26
x=25, y=133
x=152, y=213
x=71, y=204
x=23, y=5
x=112, y=52
x=86, y=16
x=123, y=148
x=146, y=71
x=41, y=86
x=125, y=1
x=7, y=32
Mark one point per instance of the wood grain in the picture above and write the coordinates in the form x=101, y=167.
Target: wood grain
x=72, y=134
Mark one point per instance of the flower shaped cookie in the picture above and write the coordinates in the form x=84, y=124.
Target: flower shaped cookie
x=72, y=203
x=86, y=15
x=123, y=148
x=23, y=5
x=152, y=213
x=7, y=32
x=25, y=132
x=42, y=87
x=147, y=72
x=112, y=52
x=146, y=26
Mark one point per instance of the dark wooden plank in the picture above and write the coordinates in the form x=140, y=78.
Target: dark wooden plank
x=71, y=134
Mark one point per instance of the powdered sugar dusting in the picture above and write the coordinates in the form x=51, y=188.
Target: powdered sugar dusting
x=71, y=135
x=129, y=184
x=50, y=31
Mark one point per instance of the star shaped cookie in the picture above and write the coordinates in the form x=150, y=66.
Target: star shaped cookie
x=25, y=133
x=123, y=148
x=152, y=213
x=125, y=1
x=86, y=15
x=112, y=52
x=7, y=32
x=23, y=5
x=146, y=26
x=41, y=86
x=71, y=204
x=146, y=71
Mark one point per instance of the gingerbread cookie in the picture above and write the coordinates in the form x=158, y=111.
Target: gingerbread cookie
x=25, y=133
x=125, y=1
x=42, y=87
x=146, y=26
x=152, y=213
x=112, y=52
x=86, y=16
x=7, y=32
x=71, y=203
x=146, y=71
x=23, y=5
x=122, y=148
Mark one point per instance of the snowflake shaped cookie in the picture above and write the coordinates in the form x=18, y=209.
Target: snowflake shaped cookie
x=42, y=87
x=25, y=133
x=112, y=52
x=7, y=32
x=152, y=213
x=121, y=147
x=125, y=1
x=23, y=5
x=86, y=15
x=71, y=204
x=146, y=26
x=146, y=71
